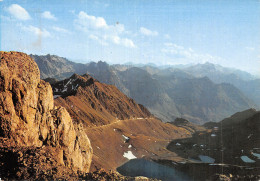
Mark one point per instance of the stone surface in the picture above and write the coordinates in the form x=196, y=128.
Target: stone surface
x=28, y=116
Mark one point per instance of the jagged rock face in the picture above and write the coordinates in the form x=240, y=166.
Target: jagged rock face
x=28, y=116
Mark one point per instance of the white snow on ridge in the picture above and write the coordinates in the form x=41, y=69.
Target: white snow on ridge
x=67, y=83
x=125, y=137
x=129, y=155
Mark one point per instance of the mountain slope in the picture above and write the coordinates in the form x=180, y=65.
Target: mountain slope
x=92, y=102
x=116, y=125
x=234, y=140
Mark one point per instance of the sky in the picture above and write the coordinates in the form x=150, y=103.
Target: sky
x=165, y=32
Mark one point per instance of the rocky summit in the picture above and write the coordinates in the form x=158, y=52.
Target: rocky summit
x=31, y=125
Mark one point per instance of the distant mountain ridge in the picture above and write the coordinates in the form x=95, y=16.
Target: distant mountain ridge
x=247, y=83
x=168, y=93
x=53, y=66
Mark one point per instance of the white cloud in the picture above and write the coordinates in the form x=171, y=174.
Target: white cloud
x=120, y=41
x=188, y=54
x=37, y=31
x=96, y=38
x=59, y=29
x=128, y=43
x=18, y=12
x=1, y=0
x=48, y=15
x=87, y=22
x=100, y=31
x=148, y=32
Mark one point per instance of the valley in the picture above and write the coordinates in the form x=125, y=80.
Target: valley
x=109, y=90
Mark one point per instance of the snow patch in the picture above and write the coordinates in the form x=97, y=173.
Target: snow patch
x=64, y=90
x=129, y=155
x=130, y=146
x=246, y=159
x=67, y=83
x=257, y=155
x=56, y=96
x=178, y=144
x=206, y=159
x=125, y=137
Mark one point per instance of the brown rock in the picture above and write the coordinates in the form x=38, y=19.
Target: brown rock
x=28, y=116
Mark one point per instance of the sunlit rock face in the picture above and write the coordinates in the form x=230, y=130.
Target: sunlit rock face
x=28, y=116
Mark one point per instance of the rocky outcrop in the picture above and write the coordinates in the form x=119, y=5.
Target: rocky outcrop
x=28, y=116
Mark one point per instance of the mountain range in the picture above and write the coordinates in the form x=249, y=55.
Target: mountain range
x=86, y=126
x=79, y=129
x=199, y=93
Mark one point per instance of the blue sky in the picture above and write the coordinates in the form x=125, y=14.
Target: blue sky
x=140, y=31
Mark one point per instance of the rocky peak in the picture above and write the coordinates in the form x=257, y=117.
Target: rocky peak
x=69, y=86
x=28, y=116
